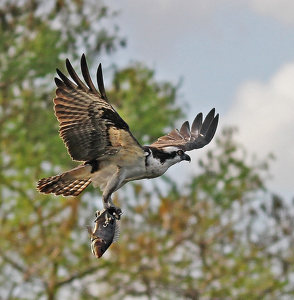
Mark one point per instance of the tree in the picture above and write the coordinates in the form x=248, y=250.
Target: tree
x=44, y=244
x=225, y=237
x=221, y=236
x=139, y=97
x=33, y=40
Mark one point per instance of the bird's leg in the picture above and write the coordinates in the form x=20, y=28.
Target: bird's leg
x=112, y=185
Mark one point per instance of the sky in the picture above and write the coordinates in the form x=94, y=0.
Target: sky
x=234, y=55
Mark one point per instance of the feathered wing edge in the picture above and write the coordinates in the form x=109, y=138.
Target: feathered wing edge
x=200, y=134
x=86, y=76
x=79, y=106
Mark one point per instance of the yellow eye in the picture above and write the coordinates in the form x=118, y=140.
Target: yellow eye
x=180, y=152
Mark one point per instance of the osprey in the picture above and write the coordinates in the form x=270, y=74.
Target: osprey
x=96, y=135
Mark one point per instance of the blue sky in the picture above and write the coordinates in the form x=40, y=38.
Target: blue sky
x=234, y=55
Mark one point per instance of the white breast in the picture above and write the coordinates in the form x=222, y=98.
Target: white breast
x=155, y=168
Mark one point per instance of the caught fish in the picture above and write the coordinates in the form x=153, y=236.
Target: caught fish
x=105, y=232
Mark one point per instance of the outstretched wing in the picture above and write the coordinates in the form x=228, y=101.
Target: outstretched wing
x=89, y=126
x=200, y=134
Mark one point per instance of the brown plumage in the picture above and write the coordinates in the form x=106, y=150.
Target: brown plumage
x=91, y=130
x=58, y=186
x=70, y=183
x=200, y=134
x=85, y=116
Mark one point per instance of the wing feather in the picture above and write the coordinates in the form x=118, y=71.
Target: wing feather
x=74, y=75
x=200, y=134
x=207, y=122
x=101, y=83
x=185, y=130
x=64, y=82
x=87, y=120
x=196, y=125
x=86, y=74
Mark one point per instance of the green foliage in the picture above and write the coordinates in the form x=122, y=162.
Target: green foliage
x=44, y=244
x=227, y=171
x=39, y=233
x=209, y=242
x=144, y=102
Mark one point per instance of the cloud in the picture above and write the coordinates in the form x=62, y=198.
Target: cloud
x=264, y=114
x=281, y=10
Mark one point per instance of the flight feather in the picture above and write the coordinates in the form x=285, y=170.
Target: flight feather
x=87, y=119
x=200, y=134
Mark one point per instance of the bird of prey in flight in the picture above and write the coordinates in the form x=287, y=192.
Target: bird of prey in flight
x=97, y=136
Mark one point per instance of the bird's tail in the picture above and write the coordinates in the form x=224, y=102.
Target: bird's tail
x=67, y=184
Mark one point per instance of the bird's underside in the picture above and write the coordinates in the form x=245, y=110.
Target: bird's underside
x=97, y=136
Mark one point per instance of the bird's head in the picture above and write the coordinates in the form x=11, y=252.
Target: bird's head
x=176, y=154
x=169, y=155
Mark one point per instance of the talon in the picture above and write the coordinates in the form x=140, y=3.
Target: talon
x=114, y=211
x=98, y=213
x=117, y=214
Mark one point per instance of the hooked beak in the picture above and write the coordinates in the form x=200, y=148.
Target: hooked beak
x=186, y=157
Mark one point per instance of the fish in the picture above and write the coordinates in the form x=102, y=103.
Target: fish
x=106, y=231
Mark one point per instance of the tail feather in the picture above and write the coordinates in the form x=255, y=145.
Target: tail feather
x=60, y=185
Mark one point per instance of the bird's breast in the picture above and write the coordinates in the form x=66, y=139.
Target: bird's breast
x=155, y=168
